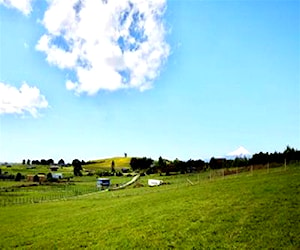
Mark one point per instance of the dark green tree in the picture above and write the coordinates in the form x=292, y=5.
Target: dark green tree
x=113, y=167
x=61, y=162
x=77, y=167
x=36, y=178
x=49, y=177
x=140, y=163
x=18, y=177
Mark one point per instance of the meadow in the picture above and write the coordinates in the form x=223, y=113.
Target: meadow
x=258, y=210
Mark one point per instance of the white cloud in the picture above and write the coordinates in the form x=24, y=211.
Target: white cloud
x=108, y=44
x=19, y=101
x=22, y=5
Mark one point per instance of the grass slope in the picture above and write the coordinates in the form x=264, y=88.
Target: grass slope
x=256, y=211
x=105, y=164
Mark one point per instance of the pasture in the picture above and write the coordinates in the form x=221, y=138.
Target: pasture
x=245, y=211
x=105, y=164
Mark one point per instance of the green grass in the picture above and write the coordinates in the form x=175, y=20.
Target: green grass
x=105, y=164
x=259, y=211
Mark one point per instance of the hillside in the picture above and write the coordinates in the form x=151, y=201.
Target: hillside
x=105, y=164
x=246, y=211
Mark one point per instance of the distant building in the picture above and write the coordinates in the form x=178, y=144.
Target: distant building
x=54, y=168
x=41, y=177
x=125, y=170
x=103, y=183
x=57, y=175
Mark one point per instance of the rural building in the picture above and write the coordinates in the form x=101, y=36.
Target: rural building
x=103, y=183
x=41, y=177
x=57, y=175
x=54, y=168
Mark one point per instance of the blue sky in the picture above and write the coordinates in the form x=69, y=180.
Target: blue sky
x=195, y=79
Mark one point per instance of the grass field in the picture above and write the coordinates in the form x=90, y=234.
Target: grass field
x=246, y=211
x=105, y=164
x=20, y=192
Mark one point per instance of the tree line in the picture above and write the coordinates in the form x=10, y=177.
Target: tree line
x=48, y=162
x=148, y=165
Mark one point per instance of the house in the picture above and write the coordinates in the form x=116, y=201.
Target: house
x=57, y=175
x=103, y=183
x=41, y=177
x=54, y=168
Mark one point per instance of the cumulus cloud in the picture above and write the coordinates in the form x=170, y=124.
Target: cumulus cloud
x=22, y=5
x=108, y=44
x=19, y=101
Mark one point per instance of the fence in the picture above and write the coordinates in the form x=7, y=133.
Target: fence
x=10, y=196
x=49, y=193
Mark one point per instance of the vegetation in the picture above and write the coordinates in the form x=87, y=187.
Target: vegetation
x=106, y=164
x=239, y=203
x=251, y=210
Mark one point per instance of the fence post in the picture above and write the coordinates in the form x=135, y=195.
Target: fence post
x=284, y=164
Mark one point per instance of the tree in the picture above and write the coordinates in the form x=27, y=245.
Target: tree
x=50, y=162
x=61, y=162
x=140, y=163
x=43, y=162
x=28, y=162
x=217, y=163
x=77, y=167
x=49, y=177
x=23, y=162
x=18, y=177
x=113, y=166
x=36, y=178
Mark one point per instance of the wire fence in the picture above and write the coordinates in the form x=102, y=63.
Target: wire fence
x=13, y=196
x=45, y=193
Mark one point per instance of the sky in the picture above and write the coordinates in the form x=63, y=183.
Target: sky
x=186, y=79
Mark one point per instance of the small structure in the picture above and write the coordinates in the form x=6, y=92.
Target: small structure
x=125, y=170
x=54, y=167
x=152, y=182
x=57, y=175
x=103, y=183
x=41, y=177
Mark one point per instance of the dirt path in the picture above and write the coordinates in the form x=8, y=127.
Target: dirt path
x=133, y=180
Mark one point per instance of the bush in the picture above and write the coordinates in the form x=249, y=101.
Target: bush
x=36, y=178
x=18, y=177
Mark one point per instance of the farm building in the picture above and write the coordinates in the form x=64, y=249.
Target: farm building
x=54, y=168
x=57, y=175
x=41, y=177
x=103, y=183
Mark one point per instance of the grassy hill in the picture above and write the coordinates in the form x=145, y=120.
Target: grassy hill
x=105, y=164
x=258, y=210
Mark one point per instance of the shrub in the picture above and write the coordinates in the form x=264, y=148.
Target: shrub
x=36, y=178
x=18, y=177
